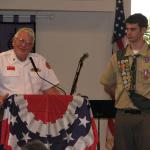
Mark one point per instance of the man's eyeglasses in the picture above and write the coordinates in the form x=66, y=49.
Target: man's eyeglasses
x=22, y=42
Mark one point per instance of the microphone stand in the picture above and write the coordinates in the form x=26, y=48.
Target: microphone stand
x=74, y=85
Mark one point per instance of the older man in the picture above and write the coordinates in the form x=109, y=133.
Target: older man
x=17, y=74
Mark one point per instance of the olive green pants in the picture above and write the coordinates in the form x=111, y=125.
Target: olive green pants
x=132, y=131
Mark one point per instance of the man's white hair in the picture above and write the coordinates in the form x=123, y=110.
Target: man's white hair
x=28, y=30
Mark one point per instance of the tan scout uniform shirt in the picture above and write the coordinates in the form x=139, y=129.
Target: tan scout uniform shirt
x=112, y=76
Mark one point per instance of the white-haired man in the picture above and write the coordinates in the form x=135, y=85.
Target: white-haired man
x=17, y=74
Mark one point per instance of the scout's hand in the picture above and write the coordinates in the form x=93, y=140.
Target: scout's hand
x=3, y=98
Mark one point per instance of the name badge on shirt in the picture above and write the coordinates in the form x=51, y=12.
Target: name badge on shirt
x=11, y=68
x=11, y=71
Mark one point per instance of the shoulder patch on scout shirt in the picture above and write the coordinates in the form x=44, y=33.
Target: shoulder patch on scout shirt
x=47, y=65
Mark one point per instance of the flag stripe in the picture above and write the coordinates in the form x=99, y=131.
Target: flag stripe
x=119, y=25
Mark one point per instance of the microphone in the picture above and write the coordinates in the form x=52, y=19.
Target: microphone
x=33, y=64
x=36, y=70
x=85, y=55
x=80, y=64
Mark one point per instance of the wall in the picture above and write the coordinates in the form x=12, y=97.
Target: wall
x=67, y=37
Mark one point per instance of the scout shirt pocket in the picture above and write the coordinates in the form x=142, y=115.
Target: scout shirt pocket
x=144, y=73
x=143, y=76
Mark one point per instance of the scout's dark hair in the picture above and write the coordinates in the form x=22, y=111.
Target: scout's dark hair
x=139, y=19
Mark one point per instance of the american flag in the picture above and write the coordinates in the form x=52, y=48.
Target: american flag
x=119, y=39
x=119, y=43
x=60, y=122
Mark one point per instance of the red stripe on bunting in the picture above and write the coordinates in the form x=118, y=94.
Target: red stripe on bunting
x=37, y=106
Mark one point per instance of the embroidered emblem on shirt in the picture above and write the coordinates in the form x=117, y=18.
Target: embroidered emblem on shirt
x=11, y=68
x=124, y=69
x=146, y=74
x=146, y=59
x=47, y=65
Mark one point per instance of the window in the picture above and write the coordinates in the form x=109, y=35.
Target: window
x=140, y=6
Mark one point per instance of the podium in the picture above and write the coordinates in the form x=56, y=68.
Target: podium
x=60, y=122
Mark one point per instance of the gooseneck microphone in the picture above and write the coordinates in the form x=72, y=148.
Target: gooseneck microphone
x=85, y=55
x=80, y=64
x=36, y=70
x=33, y=64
